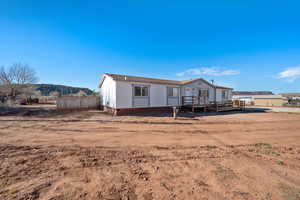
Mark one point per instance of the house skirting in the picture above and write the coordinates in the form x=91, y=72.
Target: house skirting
x=126, y=111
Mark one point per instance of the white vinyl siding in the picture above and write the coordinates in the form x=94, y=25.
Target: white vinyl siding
x=108, y=92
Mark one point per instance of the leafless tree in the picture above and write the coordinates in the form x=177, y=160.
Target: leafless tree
x=16, y=77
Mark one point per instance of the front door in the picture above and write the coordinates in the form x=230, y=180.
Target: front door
x=188, y=91
x=203, y=94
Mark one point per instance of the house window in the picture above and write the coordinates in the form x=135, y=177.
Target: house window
x=173, y=92
x=203, y=93
x=224, y=94
x=141, y=91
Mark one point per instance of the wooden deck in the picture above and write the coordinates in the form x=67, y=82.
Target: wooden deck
x=195, y=102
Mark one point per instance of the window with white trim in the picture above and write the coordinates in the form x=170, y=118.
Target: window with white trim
x=173, y=92
x=203, y=93
x=224, y=94
x=141, y=91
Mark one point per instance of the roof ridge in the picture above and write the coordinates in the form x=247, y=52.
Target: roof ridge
x=141, y=77
x=123, y=77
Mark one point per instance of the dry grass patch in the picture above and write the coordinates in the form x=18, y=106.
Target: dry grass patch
x=224, y=173
x=290, y=193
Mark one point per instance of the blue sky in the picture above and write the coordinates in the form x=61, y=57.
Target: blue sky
x=245, y=44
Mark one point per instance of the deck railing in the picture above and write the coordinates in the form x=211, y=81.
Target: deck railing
x=194, y=100
x=203, y=102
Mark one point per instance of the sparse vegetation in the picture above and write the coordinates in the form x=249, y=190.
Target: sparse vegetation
x=280, y=163
x=275, y=153
x=224, y=173
x=211, y=146
x=290, y=193
x=261, y=144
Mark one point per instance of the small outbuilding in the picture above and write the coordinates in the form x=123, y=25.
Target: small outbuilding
x=269, y=100
x=291, y=96
x=249, y=96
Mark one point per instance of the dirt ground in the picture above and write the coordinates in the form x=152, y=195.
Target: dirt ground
x=45, y=154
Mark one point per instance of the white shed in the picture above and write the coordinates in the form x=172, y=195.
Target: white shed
x=123, y=93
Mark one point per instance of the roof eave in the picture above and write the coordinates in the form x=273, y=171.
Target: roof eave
x=225, y=88
x=102, y=80
x=208, y=83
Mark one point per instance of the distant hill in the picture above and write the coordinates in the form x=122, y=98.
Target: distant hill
x=290, y=94
x=252, y=93
x=47, y=89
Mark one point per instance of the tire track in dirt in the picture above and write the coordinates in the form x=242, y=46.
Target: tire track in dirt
x=133, y=165
x=262, y=164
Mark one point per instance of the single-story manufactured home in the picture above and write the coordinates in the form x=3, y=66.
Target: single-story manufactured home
x=122, y=93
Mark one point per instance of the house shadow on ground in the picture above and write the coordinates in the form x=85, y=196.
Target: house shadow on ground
x=197, y=113
x=52, y=112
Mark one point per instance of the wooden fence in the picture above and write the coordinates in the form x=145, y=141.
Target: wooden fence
x=74, y=103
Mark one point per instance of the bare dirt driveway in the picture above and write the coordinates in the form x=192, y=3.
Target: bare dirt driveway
x=45, y=154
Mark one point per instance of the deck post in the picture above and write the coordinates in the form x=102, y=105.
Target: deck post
x=193, y=102
x=175, y=111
